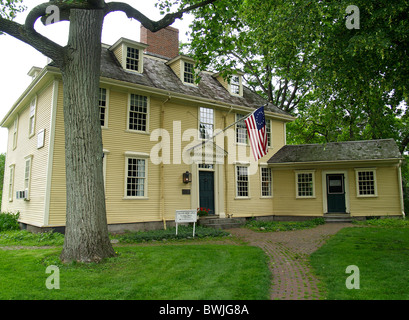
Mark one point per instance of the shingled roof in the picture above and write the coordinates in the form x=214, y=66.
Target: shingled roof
x=156, y=74
x=385, y=149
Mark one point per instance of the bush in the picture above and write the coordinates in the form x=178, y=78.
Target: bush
x=275, y=226
x=26, y=238
x=9, y=221
x=385, y=222
x=183, y=233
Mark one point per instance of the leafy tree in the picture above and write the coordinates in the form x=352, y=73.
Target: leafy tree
x=86, y=237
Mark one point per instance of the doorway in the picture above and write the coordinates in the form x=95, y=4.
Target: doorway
x=336, y=193
x=206, y=190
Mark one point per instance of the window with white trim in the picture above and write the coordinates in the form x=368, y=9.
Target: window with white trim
x=235, y=85
x=241, y=129
x=366, y=182
x=206, y=125
x=266, y=182
x=31, y=127
x=242, y=181
x=268, y=130
x=305, y=184
x=132, y=58
x=11, y=182
x=188, y=72
x=136, y=177
x=103, y=110
x=27, y=176
x=138, y=113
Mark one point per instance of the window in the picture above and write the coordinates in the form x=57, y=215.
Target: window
x=11, y=183
x=241, y=129
x=188, y=72
x=32, y=117
x=206, y=123
x=136, y=177
x=15, y=127
x=103, y=106
x=235, y=85
x=138, y=113
x=305, y=184
x=268, y=130
x=266, y=182
x=366, y=182
x=27, y=176
x=132, y=59
x=242, y=181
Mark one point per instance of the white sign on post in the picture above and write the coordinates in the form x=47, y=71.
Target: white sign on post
x=186, y=216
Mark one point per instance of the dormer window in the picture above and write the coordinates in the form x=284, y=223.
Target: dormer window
x=132, y=59
x=234, y=85
x=184, y=68
x=129, y=54
x=188, y=73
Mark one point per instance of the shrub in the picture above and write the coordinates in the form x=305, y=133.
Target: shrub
x=385, y=222
x=9, y=221
x=283, y=225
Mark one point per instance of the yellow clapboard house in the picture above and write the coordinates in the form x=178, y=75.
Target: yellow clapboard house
x=156, y=123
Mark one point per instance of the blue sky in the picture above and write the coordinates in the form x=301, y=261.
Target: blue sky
x=17, y=58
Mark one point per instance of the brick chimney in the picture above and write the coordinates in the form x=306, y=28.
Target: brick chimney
x=164, y=42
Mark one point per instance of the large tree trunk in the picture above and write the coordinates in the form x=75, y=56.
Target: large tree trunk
x=86, y=234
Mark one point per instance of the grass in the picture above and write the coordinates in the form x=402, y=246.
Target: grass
x=380, y=252
x=276, y=226
x=198, y=272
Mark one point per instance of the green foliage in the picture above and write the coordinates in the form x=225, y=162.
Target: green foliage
x=184, y=232
x=9, y=8
x=385, y=222
x=26, y=238
x=9, y=221
x=275, y=226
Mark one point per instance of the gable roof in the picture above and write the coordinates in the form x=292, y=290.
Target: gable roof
x=157, y=74
x=385, y=149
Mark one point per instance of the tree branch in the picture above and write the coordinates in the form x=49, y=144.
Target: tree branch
x=34, y=39
x=149, y=24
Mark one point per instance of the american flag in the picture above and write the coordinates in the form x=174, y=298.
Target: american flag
x=256, y=128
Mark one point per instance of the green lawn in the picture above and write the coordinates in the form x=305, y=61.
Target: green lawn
x=380, y=253
x=141, y=272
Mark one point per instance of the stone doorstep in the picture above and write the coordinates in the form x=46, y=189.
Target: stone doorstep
x=220, y=223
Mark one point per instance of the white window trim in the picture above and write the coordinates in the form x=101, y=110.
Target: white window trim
x=357, y=183
x=11, y=182
x=270, y=138
x=298, y=172
x=105, y=126
x=138, y=156
x=33, y=128
x=245, y=165
x=264, y=166
x=240, y=94
x=124, y=56
x=200, y=121
x=148, y=103
x=28, y=188
x=235, y=131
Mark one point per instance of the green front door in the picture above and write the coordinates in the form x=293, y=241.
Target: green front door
x=336, y=193
x=206, y=190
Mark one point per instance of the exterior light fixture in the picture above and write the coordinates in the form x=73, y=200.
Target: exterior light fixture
x=187, y=177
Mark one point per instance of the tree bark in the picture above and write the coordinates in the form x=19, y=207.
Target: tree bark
x=86, y=237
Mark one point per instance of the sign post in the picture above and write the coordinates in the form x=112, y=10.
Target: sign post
x=186, y=216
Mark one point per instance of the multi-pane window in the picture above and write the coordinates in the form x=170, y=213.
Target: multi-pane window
x=268, y=130
x=27, y=177
x=136, y=177
x=132, y=59
x=11, y=183
x=235, y=85
x=241, y=129
x=32, y=117
x=138, y=113
x=102, y=106
x=206, y=124
x=266, y=182
x=242, y=181
x=366, y=182
x=188, y=72
x=305, y=184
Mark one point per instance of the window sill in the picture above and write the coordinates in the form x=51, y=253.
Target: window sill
x=137, y=132
x=135, y=198
x=242, y=198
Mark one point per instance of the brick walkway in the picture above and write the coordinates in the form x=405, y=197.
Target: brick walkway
x=289, y=252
